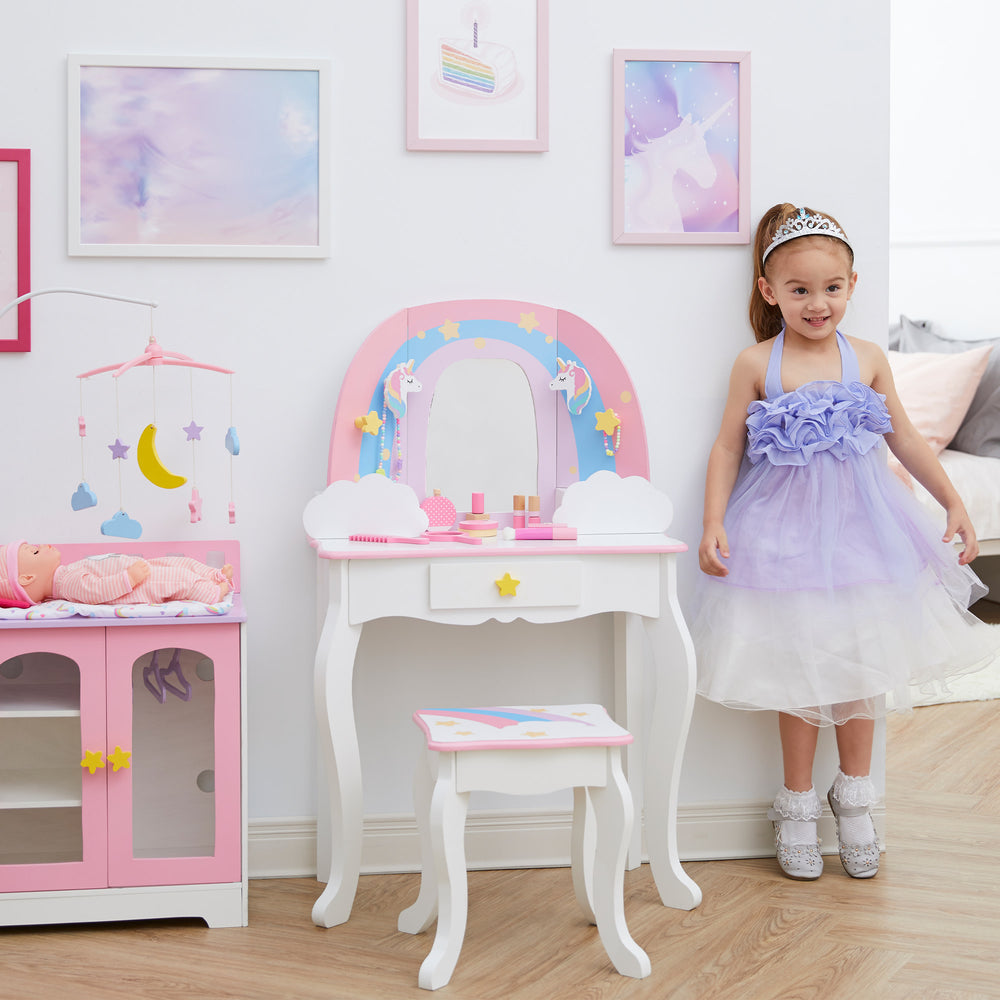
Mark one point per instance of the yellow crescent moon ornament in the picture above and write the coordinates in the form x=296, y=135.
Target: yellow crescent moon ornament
x=150, y=465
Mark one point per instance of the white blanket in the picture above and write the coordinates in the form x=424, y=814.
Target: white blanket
x=67, y=609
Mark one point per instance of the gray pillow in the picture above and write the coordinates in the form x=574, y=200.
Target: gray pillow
x=979, y=432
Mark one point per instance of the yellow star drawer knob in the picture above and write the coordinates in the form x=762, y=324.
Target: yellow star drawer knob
x=120, y=758
x=92, y=760
x=507, y=585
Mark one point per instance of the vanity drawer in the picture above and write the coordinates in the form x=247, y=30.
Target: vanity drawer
x=533, y=583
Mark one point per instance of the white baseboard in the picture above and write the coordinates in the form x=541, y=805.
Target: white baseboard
x=285, y=848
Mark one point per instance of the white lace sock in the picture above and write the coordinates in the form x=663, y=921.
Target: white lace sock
x=797, y=812
x=852, y=792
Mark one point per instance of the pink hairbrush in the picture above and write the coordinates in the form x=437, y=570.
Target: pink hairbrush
x=392, y=539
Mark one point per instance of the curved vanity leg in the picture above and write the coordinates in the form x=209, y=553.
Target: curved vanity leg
x=416, y=918
x=582, y=848
x=614, y=814
x=338, y=740
x=673, y=654
x=449, y=808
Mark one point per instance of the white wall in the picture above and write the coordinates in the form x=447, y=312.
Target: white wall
x=945, y=158
x=411, y=228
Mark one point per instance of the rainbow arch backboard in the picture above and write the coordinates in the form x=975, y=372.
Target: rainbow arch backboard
x=436, y=335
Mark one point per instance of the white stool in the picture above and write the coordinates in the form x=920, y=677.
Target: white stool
x=522, y=750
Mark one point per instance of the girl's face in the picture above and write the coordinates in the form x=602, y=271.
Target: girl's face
x=810, y=280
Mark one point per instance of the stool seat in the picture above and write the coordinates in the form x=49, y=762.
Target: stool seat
x=521, y=749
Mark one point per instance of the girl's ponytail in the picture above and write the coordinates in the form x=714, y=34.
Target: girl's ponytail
x=765, y=319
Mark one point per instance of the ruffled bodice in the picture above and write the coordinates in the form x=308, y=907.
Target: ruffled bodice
x=819, y=416
x=841, y=418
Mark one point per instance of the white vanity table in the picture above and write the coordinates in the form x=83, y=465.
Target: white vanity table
x=630, y=575
x=633, y=576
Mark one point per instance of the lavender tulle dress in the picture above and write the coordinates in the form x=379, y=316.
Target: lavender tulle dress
x=840, y=591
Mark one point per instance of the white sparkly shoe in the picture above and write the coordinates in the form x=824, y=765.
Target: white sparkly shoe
x=794, y=815
x=851, y=800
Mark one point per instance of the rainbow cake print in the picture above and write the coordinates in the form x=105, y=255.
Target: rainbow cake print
x=483, y=69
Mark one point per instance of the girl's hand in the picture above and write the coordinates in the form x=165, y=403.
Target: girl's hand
x=960, y=524
x=713, y=545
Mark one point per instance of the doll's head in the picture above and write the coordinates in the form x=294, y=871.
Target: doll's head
x=26, y=573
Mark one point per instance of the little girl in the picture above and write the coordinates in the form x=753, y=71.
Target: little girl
x=828, y=587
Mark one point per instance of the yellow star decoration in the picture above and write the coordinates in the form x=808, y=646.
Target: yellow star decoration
x=507, y=585
x=463, y=732
x=369, y=424
x=450, y=330
x=607, y=421
x=528, y=322
x=92, y=760
x=536, y=734
x=578, y=713
x=446, y=722
x=119, y=758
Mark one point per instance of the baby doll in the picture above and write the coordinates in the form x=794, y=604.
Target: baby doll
x=30, y=574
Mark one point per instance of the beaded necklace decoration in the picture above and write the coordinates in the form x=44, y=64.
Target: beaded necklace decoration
x=611, y=447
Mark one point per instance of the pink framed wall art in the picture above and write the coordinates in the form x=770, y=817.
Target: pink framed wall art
x=681, y=144
x=477, y=75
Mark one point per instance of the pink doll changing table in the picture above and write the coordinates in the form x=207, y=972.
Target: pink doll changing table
x=122, y=776
x=628, y=571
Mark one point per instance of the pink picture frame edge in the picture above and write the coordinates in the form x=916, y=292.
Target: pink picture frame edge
x=540, y=144
x=22, y=343
x=619, y=58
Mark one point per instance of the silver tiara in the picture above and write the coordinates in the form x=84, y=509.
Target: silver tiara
x=805, y=225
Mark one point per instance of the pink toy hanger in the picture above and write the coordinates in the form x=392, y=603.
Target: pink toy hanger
x=155, y=355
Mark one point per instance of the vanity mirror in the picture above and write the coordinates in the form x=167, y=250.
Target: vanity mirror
x=482, y=413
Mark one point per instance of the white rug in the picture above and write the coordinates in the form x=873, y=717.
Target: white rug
x=980, y=686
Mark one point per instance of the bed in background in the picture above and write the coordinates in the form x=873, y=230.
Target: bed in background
x=951, y=390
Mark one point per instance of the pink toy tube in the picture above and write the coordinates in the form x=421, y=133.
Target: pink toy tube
x=554, y=532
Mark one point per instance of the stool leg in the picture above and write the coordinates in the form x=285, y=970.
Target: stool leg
x=417, y=918
x=582, y=847
x=613, y=810
x=447, y=828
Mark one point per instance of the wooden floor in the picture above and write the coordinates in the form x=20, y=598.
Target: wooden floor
x=927, y=927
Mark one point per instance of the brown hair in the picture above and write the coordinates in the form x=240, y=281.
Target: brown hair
x=765, y=319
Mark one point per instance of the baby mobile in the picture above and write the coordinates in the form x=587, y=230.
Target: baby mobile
x=575, y=381
x=147, y=457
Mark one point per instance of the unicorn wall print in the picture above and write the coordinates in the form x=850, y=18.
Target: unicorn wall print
x=575, y=381
x=651, y=204
x=681, y=166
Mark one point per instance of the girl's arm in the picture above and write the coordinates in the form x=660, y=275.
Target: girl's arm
x=918, y=458
x=724, y=462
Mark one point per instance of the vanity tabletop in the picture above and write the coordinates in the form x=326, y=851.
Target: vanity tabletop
x=618, y=544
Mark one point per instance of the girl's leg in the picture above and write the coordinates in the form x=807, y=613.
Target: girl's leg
x=852, y=797
x=854, y=745
x=796, y=806
x=798, y=750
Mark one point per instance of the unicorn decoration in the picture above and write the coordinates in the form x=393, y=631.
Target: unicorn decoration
x=574, y=380
x=650, y=203
x=397, y=385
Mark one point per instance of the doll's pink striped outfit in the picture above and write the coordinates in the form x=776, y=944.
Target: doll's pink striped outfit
x=104, y=580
